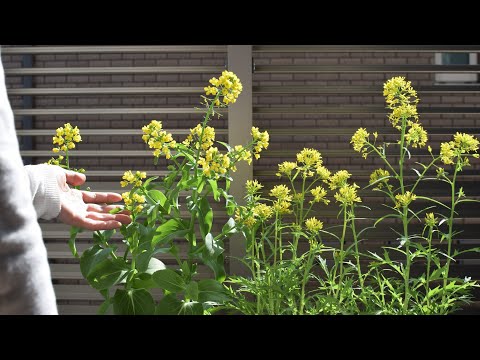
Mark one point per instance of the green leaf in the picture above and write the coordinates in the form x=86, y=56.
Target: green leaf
x=169, y=305
x=213, y=185
x=229, y=227
x=171, y=229
x=211, y=290
x=191, y=308
x=169, y=280
x=158, y=196
x=107, y=274
x=149, y=180
x=191, y=291
x=133, y=302
x=92, y=257
x=205, y=216
x=71, y=242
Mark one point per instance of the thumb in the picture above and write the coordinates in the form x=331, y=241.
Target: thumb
x=74, y=179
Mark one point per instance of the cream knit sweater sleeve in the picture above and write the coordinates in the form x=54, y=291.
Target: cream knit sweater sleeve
x=25, y=283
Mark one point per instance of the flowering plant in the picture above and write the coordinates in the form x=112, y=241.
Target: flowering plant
x=284, y=272
x=174, y=216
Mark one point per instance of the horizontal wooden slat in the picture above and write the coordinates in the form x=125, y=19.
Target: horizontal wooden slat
x=110, y=111
x=366, y=48
x=112, y=49
x=107, y=90
x=103, y=132
x=293, y=131
x=86, y=292
x=67, y=309
x=330, y=89
x=367, y=68
x=115, y=70
x=359, y=109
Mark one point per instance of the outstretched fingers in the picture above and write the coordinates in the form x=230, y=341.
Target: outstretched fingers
x=100, y=197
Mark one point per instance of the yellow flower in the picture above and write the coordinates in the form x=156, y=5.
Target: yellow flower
x=263, y=211
x=242, y=154
x=281, y=192
x=214, y=163
x=261, y=141
x=447, y=153
x=229, y=87
x=465, y=143
x=405, y=199
x=359, y=139
x=309, y=157
x=253, y=186
x=377, y=175
x=323, y=173
x=404, y=111
x=286, y=168
x=314, y=225
x=204, y=141
x=347, y=194
x=339, y=179
x=430, y=219
x=135, y=179
x=319, y=194
x=283, y=206
x=398, y=90
x=157, y=139
x=416, y=135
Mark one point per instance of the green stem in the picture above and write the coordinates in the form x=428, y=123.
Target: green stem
x=306, y=274
x=341, y=255
x=450, y=230
x=429, y=260
x=357, y=254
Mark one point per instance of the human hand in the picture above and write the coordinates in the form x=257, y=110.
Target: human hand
x=85, y=209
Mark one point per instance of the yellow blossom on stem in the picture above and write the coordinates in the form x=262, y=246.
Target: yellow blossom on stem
x=204, y=141
x=339, y=179
x=430, y=219
x=359, y=139
x=314, y=225
x=378, y=174
x=253, y=186
x=319, y=194
x=281, y=192
x=405, y=199
x=347, y=194
x=309, y=157
x=323, y=173
x=157, y=139
x=261, y=141
x=416, y=135
x=286, y=168
x=229, y=87
x=263, y=211
x=134, y=179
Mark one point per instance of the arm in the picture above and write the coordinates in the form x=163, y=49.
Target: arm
x=25, y=283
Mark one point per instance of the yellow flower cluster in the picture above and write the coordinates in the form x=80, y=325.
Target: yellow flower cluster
x=397, y=90
x=242, y=154
x=133, y=201
x=359, y=139
x=347, y=194
x=135, y=179
x=66, y=137
x=404, y=111
x=281, y=192
x=319, y=194
x=323, y=173
x=261, y=140
x=286, y=168
x=339, y=179
x=405, y=199
x=310, y=157
x=430, y=219
x=57, y=161
x=158, y=139
x=314, y=225
x=378, y=174
x=253, y=186
x=228, y=87
x=462, y=144
x=416, y=135
x=205, y=141
x=263, y=211
x=214, y=163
